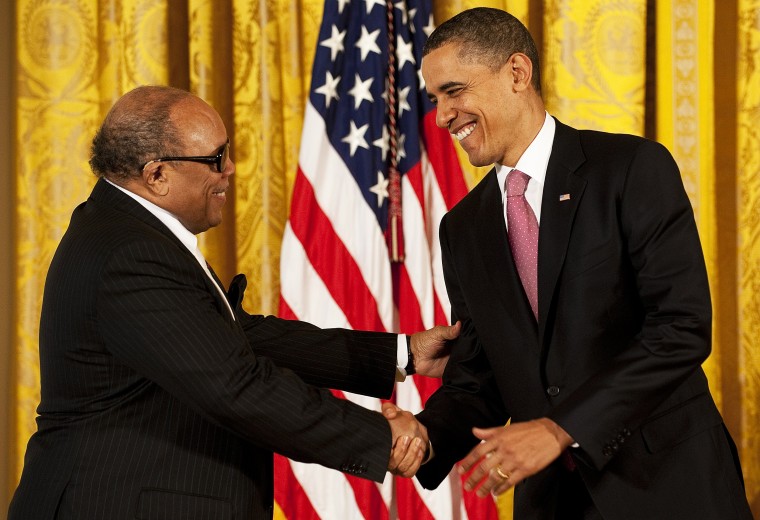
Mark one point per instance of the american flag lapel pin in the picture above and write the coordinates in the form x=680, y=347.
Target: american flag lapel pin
x=564, y=197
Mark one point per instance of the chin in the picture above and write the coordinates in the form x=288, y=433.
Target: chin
x=475, y=161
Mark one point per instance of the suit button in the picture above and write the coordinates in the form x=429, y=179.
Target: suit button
x=553, y=391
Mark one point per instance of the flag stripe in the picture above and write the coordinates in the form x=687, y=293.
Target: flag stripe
x=332, y=262
x=291, y=497
x=367, y=494
x=302, y=291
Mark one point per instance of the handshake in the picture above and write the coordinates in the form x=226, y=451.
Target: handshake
x=410, y=441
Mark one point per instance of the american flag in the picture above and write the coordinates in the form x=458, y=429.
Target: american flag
x=375, y=177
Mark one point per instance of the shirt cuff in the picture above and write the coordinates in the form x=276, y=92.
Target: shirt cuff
x=402, y=357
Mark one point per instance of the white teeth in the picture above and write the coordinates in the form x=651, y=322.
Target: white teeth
x=464, y=132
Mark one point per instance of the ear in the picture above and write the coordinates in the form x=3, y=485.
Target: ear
x=520, y=71
x=155, y=179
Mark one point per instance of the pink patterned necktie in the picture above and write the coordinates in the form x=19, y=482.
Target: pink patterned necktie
x=523, y=235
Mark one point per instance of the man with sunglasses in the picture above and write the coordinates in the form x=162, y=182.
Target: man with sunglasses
x=161, y=397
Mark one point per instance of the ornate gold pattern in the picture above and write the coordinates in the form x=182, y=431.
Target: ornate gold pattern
x=748, y=181
x=593, y=63
x=685, y=122
x=272, y=76
x=146, y=49
x=55, y=108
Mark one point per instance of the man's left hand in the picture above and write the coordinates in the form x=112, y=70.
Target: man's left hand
x=430, y=350
x=511, y=454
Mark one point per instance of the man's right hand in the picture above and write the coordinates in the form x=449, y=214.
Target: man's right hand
x=430, y=349
x=409, y=441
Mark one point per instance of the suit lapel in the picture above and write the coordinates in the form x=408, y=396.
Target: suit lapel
x=563, y=191
x=104, y=193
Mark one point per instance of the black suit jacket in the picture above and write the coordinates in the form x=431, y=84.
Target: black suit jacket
x=624, y=325
x=156, y=404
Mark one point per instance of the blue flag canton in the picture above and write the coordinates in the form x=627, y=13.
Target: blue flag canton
x=349, y=88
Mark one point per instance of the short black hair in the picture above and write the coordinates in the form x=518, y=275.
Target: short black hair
x=488, y=36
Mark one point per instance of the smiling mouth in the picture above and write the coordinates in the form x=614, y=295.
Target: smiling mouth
x=222, y=193
x=465, y=132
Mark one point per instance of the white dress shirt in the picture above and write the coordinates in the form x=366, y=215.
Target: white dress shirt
x=188, y=240
x=533, y=163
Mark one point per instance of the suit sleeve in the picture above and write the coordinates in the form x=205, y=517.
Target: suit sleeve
x=157, y=316
x=354, y=361
x=468, y=397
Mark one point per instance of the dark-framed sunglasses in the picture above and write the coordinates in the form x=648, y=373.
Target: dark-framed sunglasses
x=219, y=160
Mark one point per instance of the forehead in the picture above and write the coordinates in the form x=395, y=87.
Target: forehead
x=440, y=57
x=198, y=123
x=445, y=67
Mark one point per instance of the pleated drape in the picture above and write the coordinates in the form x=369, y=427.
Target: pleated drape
x=684, y=72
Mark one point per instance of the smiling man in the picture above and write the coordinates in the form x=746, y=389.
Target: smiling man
x=576, y=270
x=161, y=397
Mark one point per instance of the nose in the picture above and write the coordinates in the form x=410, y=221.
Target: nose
x=444, y=114
x=229, y=168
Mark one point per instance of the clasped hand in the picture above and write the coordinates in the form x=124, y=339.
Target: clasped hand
x=430, y=352
x=410, y=441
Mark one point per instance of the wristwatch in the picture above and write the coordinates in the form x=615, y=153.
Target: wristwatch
x=410, y=364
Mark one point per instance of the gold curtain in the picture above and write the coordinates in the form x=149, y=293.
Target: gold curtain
x=747, y=370
x=633, y=66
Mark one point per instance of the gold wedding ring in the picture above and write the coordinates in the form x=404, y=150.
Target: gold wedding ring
x=503, y=475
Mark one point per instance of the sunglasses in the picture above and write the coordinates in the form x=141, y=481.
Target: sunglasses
x=219, y=160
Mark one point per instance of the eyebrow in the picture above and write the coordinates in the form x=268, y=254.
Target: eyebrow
x=450, y=84
x=445, y=87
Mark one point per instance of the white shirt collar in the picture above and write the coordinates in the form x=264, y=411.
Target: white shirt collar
x=533, y=162
x=189, y=240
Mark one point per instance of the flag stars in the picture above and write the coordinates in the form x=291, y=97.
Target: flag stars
x=401, y=6
x=360, y=91
x=380, y=189
x=342, y=4
x=329, y=89
x=400, y=151
x=355, y=138
x=404, y=52
x=372, y=3
x=385, y=93
x=403, y=100
x=430, y=27
x=334, y=42
x=383, y=142
x=412, y=14
x=367, y=42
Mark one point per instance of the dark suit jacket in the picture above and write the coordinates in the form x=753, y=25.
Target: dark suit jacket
x=156, y=404
x=624, y=325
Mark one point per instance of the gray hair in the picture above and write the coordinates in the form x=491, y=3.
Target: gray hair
x=138, y=128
